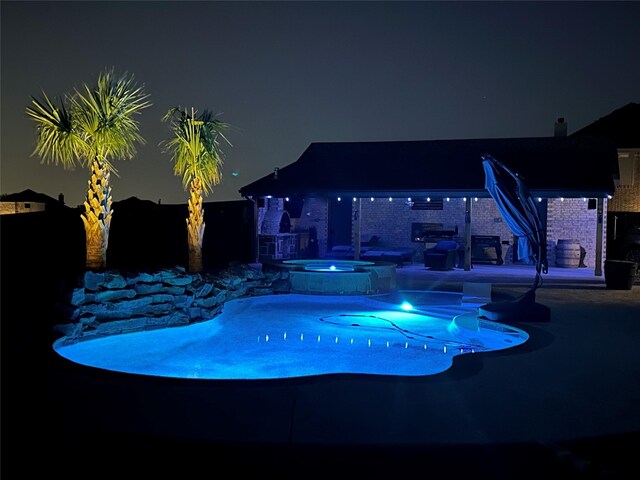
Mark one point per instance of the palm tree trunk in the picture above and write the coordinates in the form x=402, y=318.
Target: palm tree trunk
x=97, y=216
x=195, y=227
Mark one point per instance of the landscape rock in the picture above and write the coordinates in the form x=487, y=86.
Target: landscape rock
x=111, y=303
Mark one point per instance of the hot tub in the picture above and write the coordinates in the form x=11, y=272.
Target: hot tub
x=340, y=277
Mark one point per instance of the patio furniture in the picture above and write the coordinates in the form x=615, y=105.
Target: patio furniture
x=443, y=256
x=398, y=255
x=372, y=249
x=486, y=249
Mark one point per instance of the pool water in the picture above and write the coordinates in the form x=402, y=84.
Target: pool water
x=295, y=335
x=329, y=267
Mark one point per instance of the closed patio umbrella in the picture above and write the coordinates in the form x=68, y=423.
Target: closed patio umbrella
x=518, y=209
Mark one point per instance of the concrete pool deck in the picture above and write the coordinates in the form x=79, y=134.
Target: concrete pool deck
x=564, y=402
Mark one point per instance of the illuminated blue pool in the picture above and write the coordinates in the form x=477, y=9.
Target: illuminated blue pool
x=286, y=336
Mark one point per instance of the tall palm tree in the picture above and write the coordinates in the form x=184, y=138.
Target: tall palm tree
x=198, y=158
x=92, y=127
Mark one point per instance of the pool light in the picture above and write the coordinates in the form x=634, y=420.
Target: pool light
x=406, y=306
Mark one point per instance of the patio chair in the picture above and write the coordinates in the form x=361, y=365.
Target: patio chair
x=443, y=256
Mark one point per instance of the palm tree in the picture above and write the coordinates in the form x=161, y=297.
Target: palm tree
x=198, y=158
x=91, y=127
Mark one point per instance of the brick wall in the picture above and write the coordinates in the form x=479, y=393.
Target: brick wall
x=572, y=219
x=315, y=213
x=391, y=222
x=626, y=198
x=486, y=220
x=627, y=194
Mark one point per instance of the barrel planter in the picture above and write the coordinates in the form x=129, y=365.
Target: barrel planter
x=568, y=253
x=619, y=274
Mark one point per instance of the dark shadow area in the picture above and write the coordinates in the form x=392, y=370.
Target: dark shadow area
x=146, y=235
x=43, y=258
x=144, y=456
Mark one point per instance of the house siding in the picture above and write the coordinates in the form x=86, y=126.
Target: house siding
x=627, y=195
x=571, y=219
x=8, y=208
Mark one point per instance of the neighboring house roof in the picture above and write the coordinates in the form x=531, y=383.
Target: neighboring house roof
x=134, y=203
x=622, y=126
x=28, y=196
x=550, y=167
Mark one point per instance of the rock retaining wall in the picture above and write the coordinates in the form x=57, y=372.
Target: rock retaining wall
x=111, y=302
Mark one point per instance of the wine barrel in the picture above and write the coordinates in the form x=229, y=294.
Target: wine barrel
x=568, y=253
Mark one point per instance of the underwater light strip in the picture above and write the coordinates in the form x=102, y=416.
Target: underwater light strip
x=352, y=341
x=460, y=348
x=407, y=333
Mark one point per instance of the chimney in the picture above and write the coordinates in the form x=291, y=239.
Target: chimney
x=61, y=199
x=560, y=128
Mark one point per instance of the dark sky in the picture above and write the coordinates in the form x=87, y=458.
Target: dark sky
x=287, y=74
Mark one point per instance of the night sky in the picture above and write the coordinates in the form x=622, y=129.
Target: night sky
x=287, y=74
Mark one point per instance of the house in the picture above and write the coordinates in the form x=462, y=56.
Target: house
x=347, y=192
x=28, y=201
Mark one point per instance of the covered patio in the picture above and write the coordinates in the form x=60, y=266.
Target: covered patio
x=553, y=168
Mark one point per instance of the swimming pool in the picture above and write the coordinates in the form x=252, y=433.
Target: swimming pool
x=296, y=335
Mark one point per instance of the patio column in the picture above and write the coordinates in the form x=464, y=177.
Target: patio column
x=467, y=234
x=356, y=229
x=599, y=229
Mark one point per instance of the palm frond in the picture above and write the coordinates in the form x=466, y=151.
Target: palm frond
x=56, y=140
x=195, y=146
x=105, y=116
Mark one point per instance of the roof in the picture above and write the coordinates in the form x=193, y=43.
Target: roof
x=622, y=126
x=550, y=166
x=28, y=196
